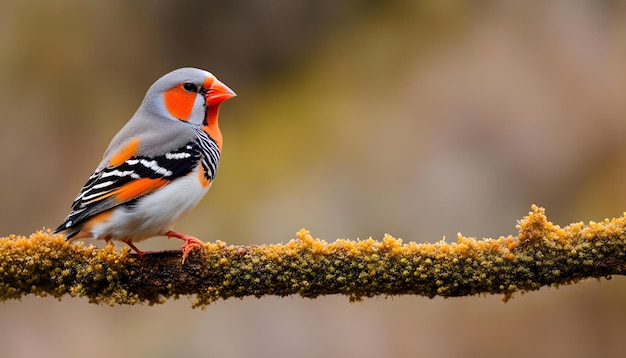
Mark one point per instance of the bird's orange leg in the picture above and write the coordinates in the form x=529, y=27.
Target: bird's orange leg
x=139, y=252
x=190, y=242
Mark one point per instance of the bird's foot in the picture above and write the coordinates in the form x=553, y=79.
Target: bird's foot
x=190, y=242
x=129, y=243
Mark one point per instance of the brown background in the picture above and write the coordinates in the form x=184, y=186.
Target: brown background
x=353, y=119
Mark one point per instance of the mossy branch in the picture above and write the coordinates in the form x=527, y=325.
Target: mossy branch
x=543, y=254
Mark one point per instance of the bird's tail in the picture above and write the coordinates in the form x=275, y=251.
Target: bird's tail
x=68, y=232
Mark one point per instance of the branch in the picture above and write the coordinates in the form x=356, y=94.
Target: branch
x=542, y=254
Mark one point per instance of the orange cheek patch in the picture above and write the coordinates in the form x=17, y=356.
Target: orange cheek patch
x=125, y=153
x=179, y=102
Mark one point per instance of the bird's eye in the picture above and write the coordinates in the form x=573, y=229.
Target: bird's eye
x=190, y=87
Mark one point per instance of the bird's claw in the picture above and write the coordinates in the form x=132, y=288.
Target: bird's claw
x=190, y=242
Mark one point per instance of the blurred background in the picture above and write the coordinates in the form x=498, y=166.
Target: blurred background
x=353, y=119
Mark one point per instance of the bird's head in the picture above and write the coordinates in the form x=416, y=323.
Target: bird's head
x=187, y=94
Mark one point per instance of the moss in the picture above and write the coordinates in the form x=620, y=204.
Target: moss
x=543, y=254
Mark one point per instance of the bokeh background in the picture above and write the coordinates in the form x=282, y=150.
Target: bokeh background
x=354, y=118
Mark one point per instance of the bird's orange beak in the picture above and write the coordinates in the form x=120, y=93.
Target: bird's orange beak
x=218, y=93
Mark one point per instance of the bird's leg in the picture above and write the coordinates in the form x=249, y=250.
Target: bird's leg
x=139, y=252
x=190, y=242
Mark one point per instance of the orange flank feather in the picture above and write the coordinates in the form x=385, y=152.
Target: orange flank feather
x=125, y=153
x=179, y=102
x=203, y=180
x=137, y=188
x=90, y=223
x=132, y=190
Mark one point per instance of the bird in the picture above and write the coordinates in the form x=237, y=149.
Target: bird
x=157, y=167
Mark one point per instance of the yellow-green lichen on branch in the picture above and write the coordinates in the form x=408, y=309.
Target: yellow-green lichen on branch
x=543, y=254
